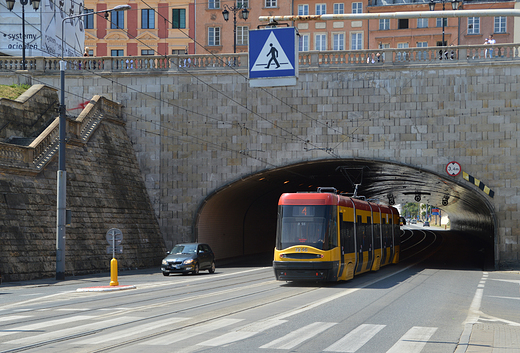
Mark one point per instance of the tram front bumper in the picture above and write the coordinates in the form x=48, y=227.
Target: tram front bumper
x=305, y=270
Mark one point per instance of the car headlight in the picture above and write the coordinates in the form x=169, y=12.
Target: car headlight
x=164, y=262
x=188, y=261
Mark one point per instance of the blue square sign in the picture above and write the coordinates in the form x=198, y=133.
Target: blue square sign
x=272, y=53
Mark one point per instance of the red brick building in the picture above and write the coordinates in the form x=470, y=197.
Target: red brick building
x=154, y=28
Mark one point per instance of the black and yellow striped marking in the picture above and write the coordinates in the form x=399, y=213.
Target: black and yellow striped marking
x=479, y=184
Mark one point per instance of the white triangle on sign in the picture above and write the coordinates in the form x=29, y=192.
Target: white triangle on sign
x=268, y=57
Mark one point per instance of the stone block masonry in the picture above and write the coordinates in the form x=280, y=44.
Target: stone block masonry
x=191, y=139
x=105, y=189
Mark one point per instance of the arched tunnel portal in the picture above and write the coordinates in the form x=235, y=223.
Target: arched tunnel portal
x=240, y=218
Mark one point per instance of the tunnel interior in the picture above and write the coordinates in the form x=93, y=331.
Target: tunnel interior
x=240, y=218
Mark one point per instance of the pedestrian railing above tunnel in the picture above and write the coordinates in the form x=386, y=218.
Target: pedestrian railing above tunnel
x=182, y=63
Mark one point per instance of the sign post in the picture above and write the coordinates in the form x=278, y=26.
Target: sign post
x=114, y=236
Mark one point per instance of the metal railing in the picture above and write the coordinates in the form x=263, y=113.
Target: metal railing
x=181, y=63
x=40, y=151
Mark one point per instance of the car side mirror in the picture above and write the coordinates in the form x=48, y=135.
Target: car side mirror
x=167, y=253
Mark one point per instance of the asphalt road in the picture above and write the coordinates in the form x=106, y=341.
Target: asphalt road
x=430, y=302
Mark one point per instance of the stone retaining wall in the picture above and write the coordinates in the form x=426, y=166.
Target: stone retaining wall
x=105, y=189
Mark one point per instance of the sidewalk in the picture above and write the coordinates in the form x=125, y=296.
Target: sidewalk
x=494, y=338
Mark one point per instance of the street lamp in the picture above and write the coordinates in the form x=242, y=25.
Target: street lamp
x=62, y=173
x=454, y=6
x=245, y=15
x=36, y=5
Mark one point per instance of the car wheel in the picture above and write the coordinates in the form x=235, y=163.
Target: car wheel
x=212, y=268
x=196, y=271
x=165, y=274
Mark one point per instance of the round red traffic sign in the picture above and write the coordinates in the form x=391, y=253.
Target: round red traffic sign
x=453, y=168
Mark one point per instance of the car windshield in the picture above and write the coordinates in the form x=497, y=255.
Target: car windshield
x=184, y=249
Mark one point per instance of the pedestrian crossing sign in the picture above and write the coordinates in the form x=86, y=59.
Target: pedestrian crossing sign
x=273, y=57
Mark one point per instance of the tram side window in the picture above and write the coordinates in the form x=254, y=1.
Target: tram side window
x=347, y=236
x=360, y=235
x=369, y=232
x=377, y=235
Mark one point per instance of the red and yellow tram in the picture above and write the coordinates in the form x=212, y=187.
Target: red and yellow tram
x=324, y=236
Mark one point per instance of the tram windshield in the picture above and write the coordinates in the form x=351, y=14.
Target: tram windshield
x=306, y=225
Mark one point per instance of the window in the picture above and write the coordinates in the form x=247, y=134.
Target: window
x=242, y=35
x=357, y=7
x=500, y=25
x=178, y=18
x=213, y=4
x=321, y=9
x=243, y=4
x=339, y=9
x=117, y=19
x=214, y=36
x=384, y=24
x=402, y=23
x=320, y=42
x=439, y=22
x=422, y=23
x=90, y=52
x=147, y=52
x=303, y=10
x=338, y=41
x=117, y=52
x=303, y=42
x=270, y=3
x=147, y=18
x=473, y=25
x=89, y=19
x=356, y=41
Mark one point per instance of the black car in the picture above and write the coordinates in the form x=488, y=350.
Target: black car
x=426, y=224
x=189, y=257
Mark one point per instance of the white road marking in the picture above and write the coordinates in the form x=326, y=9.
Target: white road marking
x=54, y=334
x=413, y=341
x=132, y=331
x=34, y=327
x=12, y=317
x=356, y=339
x=242, y=333
x=190, y=332
x=299, y=336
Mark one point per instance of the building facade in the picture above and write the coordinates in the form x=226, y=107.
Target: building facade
x=428, y=32
x=152, y=28
x=163, y=28
x=215, y=35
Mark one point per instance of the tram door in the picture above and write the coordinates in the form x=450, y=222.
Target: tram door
x=347, y=244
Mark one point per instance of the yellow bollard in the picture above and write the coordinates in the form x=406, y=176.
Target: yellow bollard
x=113, y=273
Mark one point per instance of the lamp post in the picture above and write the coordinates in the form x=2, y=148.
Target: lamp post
x=454, y=6
x=62, y=173
x=36, y=5
x=245, y=15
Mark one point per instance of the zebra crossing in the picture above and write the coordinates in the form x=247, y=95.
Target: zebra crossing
x=90, y=330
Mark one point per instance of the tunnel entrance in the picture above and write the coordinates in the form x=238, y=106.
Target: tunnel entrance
x=240, y=218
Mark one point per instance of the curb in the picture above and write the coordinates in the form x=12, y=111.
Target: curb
x=104, y=288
